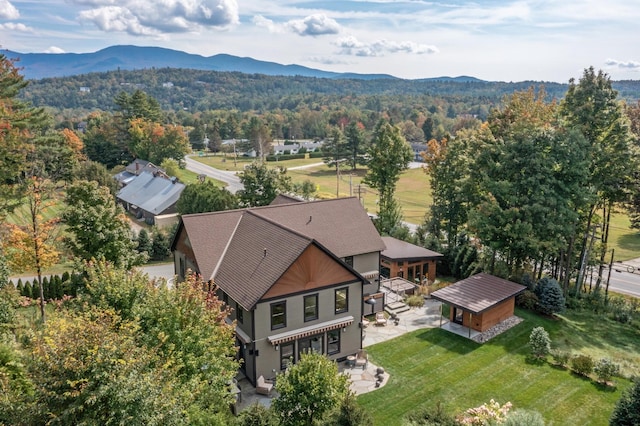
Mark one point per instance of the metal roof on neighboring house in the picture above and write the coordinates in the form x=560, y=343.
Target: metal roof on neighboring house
x=150, y=193
x=478, y=293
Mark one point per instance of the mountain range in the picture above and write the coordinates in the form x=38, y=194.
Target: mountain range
x=37, y=66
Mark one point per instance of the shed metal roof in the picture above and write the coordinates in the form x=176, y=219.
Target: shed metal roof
x=402, y=250
x=478, y=293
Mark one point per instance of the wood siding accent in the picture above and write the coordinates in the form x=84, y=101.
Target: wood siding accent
x=183, y=245
x=313, y=269
x=486, y=320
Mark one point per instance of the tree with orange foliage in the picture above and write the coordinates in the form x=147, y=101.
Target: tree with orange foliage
x=31, y=246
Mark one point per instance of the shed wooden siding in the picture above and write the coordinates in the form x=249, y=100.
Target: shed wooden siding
x=489, y=318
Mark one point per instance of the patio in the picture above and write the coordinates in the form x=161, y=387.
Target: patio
x=364, y=380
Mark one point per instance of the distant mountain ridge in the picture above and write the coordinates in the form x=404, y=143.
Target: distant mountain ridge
x=37, y=66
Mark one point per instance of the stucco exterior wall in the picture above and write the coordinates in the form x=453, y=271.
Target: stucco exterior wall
x=268, y=355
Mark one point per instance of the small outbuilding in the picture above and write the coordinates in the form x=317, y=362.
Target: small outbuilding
x=480, y=301
x=408, y=261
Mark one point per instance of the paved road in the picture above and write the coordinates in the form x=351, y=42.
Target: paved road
x=160, y=270
x=625, y=278
x=230, y=178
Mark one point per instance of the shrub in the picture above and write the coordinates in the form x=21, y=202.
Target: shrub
x=257, y=415
x=606, y=369
x=524, y=418
x=415, y=301
x=560, y=357
x=582, y=364
x=627, y=410
x=527, y=300
x=540, y=342
x=550, y=297
x=428, y=417
x=485, y=414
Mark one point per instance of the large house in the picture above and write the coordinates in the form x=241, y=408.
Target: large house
x=151, y=197
x=296, y=276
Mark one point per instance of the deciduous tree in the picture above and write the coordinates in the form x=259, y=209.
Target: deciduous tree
x=390, y=155
x=98, y=226
x=262, y=184
x=308, y=390
x=205, y=197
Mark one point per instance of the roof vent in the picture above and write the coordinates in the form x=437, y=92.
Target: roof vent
x=265, y=253
x=310, y=217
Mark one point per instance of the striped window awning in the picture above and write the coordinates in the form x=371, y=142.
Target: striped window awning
x=371, y=274
x=299, y=333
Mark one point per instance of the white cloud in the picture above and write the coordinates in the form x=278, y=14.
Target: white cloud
x=633, y=65
x=54, y=49
x=11, y=26
x=143, y=17
x=314, y=25
x=350, y=45
x=271, y=26
x=8, y=11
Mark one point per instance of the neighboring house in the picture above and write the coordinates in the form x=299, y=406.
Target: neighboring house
x=149, y=196
x=286, y=149
x=479, y=301
x=312, y=146
x=296, y=275
x=418, y=148
x=409, y=261
x=134, y=169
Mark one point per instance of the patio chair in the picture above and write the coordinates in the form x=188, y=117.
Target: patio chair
x=262, y=387
x=380, y=319
x=365, y=322
x=362, y=359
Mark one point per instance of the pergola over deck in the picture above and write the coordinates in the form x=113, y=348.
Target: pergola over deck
x=409, y=261
x=480, y=301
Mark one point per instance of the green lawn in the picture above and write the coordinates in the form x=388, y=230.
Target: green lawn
x=412, y=190
x=625, y=240
x=225, y=162
x=430, y=366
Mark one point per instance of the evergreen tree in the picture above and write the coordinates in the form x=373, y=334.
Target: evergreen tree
x=160, y=249
x=550, y=297
x=145, y=244
x=627, y=410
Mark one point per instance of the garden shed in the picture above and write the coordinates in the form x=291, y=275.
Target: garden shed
x=479, y=301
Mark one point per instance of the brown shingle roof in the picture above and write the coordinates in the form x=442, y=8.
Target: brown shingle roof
x=284, y=199
x=341, y=225
x=209, y=237
x=229, y=246
x=252, y=262
x=478, y=293
x=402, y=250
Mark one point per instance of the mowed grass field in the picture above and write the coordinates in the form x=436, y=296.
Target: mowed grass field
x=434, y=366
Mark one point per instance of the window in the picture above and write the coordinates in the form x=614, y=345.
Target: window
x=278, y=315
x=349, y=260
x=341, y=300
x=333, y=341
x=286, y=355
x=225, y=298
x=311, y=344
x=311, y=307
x=239, y=313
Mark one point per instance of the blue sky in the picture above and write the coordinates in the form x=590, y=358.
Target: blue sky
x=542, y=40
